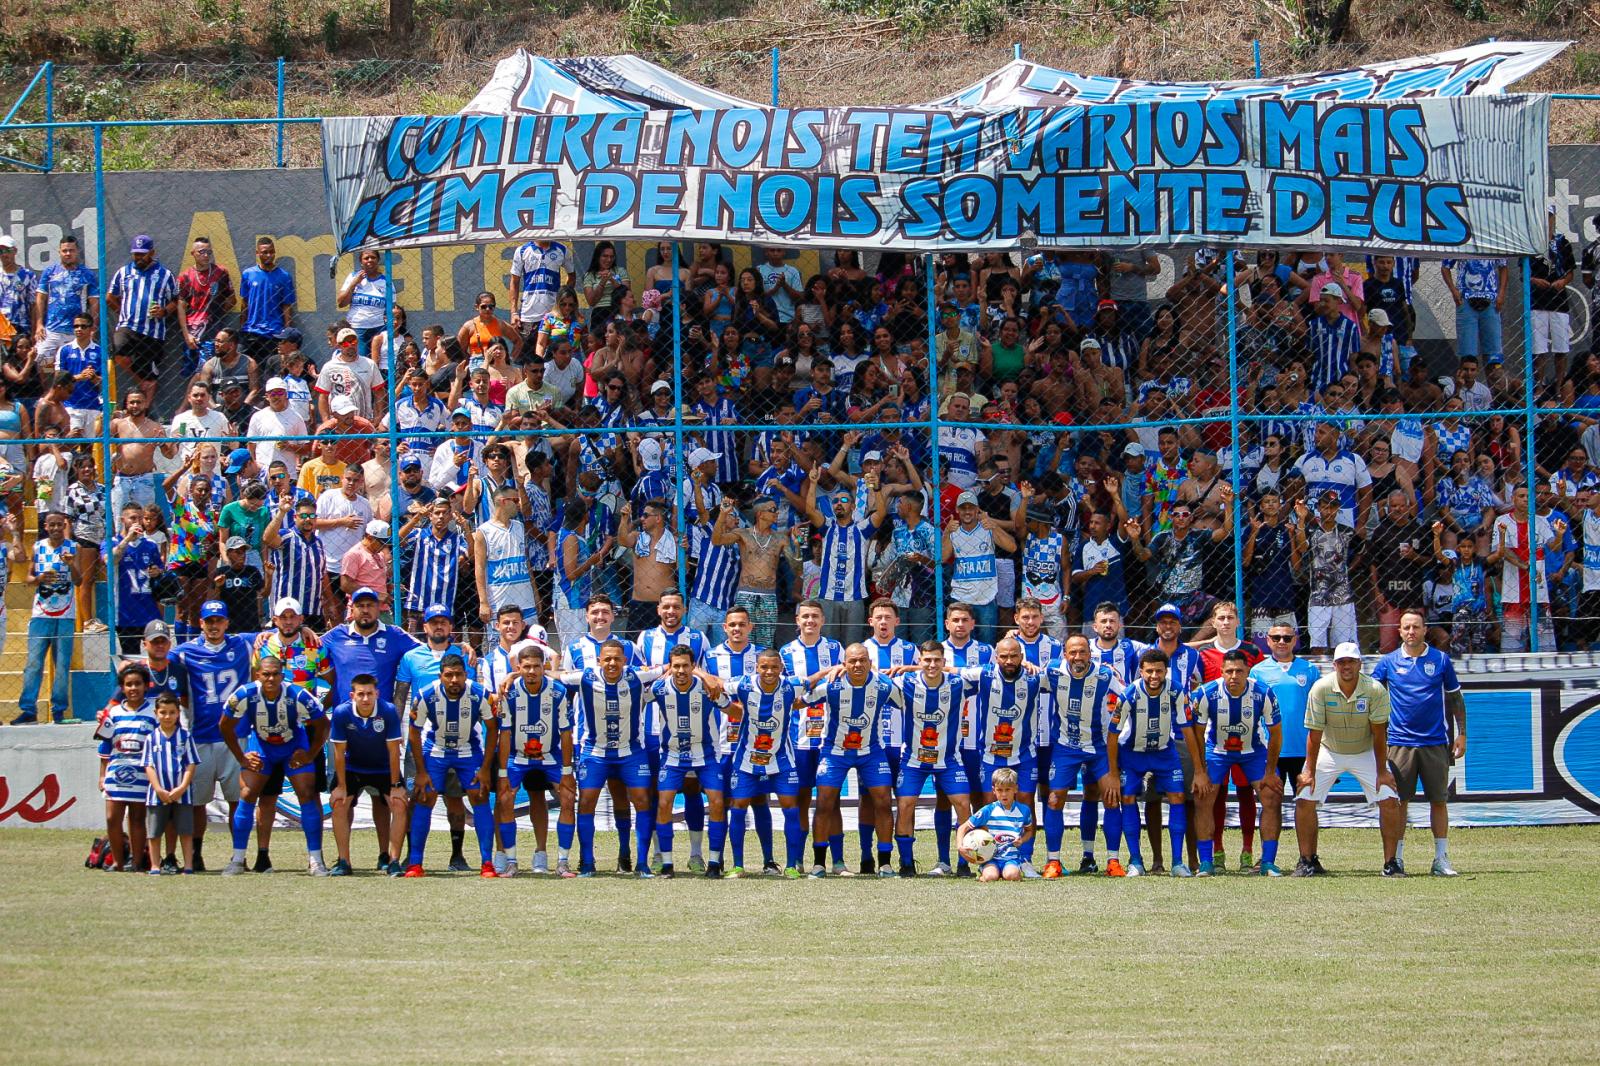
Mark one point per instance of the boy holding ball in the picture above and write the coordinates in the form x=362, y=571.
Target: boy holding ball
x=1008, y=821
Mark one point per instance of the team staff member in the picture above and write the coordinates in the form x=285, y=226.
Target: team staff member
x=1422, y=689
x=1290, y=678
x=366, y=739
x=1347, y=728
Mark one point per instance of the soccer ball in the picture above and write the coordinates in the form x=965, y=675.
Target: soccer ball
x=981, y=843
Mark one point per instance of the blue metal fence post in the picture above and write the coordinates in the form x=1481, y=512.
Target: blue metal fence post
x=933, y=451
x=107, y=400
x=1534, y=546
x=1233, y=432
x=1255, y=46
x=1016, y=50
x=394, y=429
x=49, y=115
x=677, y=414
x=281, y=115
x=774, y=79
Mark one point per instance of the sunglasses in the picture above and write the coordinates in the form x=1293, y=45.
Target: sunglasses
x=1280, y=638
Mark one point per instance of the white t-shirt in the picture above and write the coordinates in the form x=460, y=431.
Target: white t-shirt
x=367, y=304
x=269, y=423
x=1511, y=577
x=188, y=424
x=958, y=449
x=353, y=379
x=335, y=542
x=565, y=382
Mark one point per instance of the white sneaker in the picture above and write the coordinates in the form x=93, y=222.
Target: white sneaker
x=1442, y=868
x=541, y=864
x=940, y=870
x=500, y=863
x=818, y=872
x=234, y=868
x=510, y=869
x=1028, y=872
x=840, y=870
x=318, y=868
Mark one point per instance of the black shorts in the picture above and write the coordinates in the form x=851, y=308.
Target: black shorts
x=142, y=352
x=274, y=785
x=1289, y=768
x=356, y=783
x=258, y=346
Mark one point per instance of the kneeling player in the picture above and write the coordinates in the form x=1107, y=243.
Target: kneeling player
x=1011, y=824
x=851, y=741
x=451, y=710
x=277, y=717
x=762, y=761
x=1154, y=720
x=1242, y=732
x=1083, y=700
x=536, y=754
x=687, y=700
x=930, y=701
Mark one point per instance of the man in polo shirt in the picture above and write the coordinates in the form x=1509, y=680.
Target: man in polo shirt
x=1290, y=678
x=365, y=645
x=1347, y=728
x=1422, y=688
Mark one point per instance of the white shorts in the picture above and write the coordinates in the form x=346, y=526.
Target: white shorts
x=217, y=766
x=1330, y=626
x=82, y=421
x=1552, y=332
x=45, y=353
x=1363, y=767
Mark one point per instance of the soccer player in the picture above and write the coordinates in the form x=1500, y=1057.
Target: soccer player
x=1152, y=722
x=654, y=645
x=854, y=697
x=1240, y=717
x=728, y=662
x=536, y=754
x=284, y=725
x=930, y=702
x=451, y=710
x=687, y=703
x=600, y=613
x=1183, y=673
x=1227, y=637
x=419, y=668
x=610, y=702
x=1290, y=678
x=807, y=659
x=1007, y=700
x=366, y=736
x=1039, y=650
x=888, y=652
x=1347, y=730
x=960, y=651
x=1111, y=648
x=1083, y=700
x=764, y=704
x=1009, y=821
x=1422, y=689
x=212, y=668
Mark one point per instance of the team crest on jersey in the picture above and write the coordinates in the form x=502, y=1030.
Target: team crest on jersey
x=1428, y=668
x=1302, y=681
x=377, y=727
x=1361, y=704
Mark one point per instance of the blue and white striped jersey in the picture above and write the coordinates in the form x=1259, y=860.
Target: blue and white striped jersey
x=170, y=755
x=1006, y=824
x=1041, y=651
x=274, y=721
x=1007, y=710
x=1333, y=348
x=1122, y=658
x=300, y=565
x=435, y=567
x=610, y=717
x=932, y=719
x=765, y=744
x=584, y=653
x=124, y=732
x=452, y=726
x=1235, y=725
x=655, y=644
x=729, y=665
x=972, y=653
x=1083, y=709
x=1150, y=724
x=800, y=662
x=535, y=721
x=716, y=578
x=898, y=652
x=852, y=713
x=689, y=721
x=138, y=290
x=844, y=559
x=1184, y=669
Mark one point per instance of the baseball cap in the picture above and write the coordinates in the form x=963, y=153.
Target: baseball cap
x=286, y=603
x=660, y=386
x=1448, y=553
x=142, y=243
x=1347, y=650
x=7, y=242
x=213, y=609
x=650, y=454
x=236, y=460
x=157, y=630
x=1041, y=514
x=342, y=405
x=703, y=455
x=363, y=593
x=1106, y=305
x=1088, y=342
x=409, y=461
x=292, y=335
x=874, y=456
x=236, y=544
x=967, y=498
x=378, y=528
x=277, y=385
x=1167, y=609
x=461, y=412
x=1378, y=317
x=1328, y=495
x=1333, y=289
x=1135, y=448
x=438, y=610
x=346, y=334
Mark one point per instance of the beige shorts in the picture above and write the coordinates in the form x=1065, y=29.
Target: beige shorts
x=217, y=766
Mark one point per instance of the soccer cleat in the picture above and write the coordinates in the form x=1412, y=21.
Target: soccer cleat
x=510, y=870
x=736, y=873
x=1269, y=869
x=1029, y=873
x=263, y=863
x=1303, y=868
x=666, y=871
x=414, y=870
x=869, y=866
x=234, y=868
x=1135, y=869
x=644, y=873
x=1220, y=862
x=886, y=871
x=713, y=871
x=697, y=865
x=908, y=869
x=1052, y=870
x=1206, y=870
x=395, y=869
x=1114, y=868
x=1393, y=868
x=792, y=873
x=317, y=868
x=624, y=863
x=963, y=870
x=487, y=870
x=541, y=864
x=1442, y=868
x=340, y=869
x=840, y=870
x=564, y=869
x=771, y=869
x=499, y=861
x=1181, y=870
x=169, y=865
x=1088, y=865
x=1247, y=862
x=127, y=867
x=818, y=873
x=1316, y=866
x=459, y=866
x=586, y=869
x=383, y=861
x=941, y=869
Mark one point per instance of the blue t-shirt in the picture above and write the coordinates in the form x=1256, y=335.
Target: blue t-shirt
x=366, y=740
x=1416, y=695
x=419, y=667
x=379, y=655
x=264, y=293
x=136, y=604
x=65, y=291
x=85, y=395
x=214, y=675
x=1290, y=685
x=1005, y=825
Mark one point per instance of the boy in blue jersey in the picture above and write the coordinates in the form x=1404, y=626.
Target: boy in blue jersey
x=1082, y=703
x=1009, y=821
x=854, y=698
x=929, y=701
x=808, y=659
x=688, y=701
x=286, y=726
x=762, y=760
x=960, y=650
x=452, y=710
x=1152, y=721
x=366, y=737
x=1240, y=717
x=536, y=754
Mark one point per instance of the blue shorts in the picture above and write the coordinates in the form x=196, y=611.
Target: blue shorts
x=895, y=755
x=786, y=782
x=871, y=767
x=277, y=756
x=972, y=766
x=1065, y=764
x=805, y=767
x=1220, y=765
x=1027, y=776
x=652, y=750
x=535, y=777
x=671, y=777
x=465, y=766
x=1165, y=765
x=952, y=780
x=633, y=770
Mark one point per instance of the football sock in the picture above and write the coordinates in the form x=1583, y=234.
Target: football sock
x=311, y=823
x=907, y=846
x=508, y=836
x=624, y=818
x=865, y=832
x=694, y=812
x=819, y=855
x=1055, y=827
x=763, y=819
x=458, y=837
x=1400, y=850
x=1440, y=845
x=1112, y=819
x=643, y=827
x=885, y=854
x=1026, y=850
x=1206, y=849
x=564, y=834
x=664, y=839
x=483, y=829
x=421, y=819
x=586, y=839
x=719, y=833
x=1177, y=826
x=736, y=819
x=244, y=820
x=1269, y=851
x=836, y=845
x=1130, y=831
x=1219, y=811
x=794, y=838
x=695, y=837
x=1247, y=817
x=1088, y=822
x=943, y=826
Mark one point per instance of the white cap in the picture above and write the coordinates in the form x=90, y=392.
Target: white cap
x=345, y=334
x=659, y=387
x=1379, y=317
x=278, y=385
x=7, y=242
x=286, y=603
x=703, y=455
x=874, y=456
x=1347, y=650
x=650, y=453
x=378, y=528
x=1088, y=342
x=1133, y=448
x=1332, y=289
x=342, y=405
